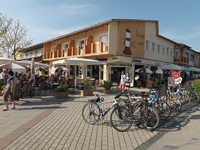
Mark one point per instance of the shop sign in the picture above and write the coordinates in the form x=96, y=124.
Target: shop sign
x=115, y=58
x=137, y=61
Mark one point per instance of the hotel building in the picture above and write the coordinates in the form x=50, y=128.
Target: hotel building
x=122, y=44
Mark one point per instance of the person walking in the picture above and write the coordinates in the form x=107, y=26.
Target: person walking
x=122, y=81
x=9, y=91
x=30, y=86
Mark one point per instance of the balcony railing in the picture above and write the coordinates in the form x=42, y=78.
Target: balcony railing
x=93, y=48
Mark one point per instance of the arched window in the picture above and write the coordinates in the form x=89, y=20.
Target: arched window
x=104, y=39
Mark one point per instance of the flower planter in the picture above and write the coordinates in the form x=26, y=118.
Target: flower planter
x=107, y=90
x=61, y=95
x=87, y=92
x=1, y=92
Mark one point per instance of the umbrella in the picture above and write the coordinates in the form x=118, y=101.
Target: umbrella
x=147, y=70
x=28, y=62
x=4, y=60
x=159, y=71
x=14, y=67
x=77, y=61
x=171, y=67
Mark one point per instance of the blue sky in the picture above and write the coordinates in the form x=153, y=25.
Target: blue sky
x=46, y=19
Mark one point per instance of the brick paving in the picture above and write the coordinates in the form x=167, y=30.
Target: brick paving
x=65, y=129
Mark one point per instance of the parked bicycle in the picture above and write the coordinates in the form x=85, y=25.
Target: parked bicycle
x=93, y=112
x=139, y=111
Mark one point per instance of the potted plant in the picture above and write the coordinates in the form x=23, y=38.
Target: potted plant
x=107, y=86
x=61, y=91
x=2, y=89
x=86, y=91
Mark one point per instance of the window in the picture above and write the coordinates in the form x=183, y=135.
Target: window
x=186, y=55
x=153, y=46
x=171, y=52
x=104, y=40
x=176, y=54
x=163, y=51
x=158, y=49
x=75, y=51
x=53, y=48
x=192, y=58
x=65, y=46
x=82, y=44
x=147, y=44
x=167, y=51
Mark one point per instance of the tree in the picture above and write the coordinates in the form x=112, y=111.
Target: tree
x=13, y=36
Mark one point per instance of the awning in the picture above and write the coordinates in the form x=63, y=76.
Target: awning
x=77, y=61
x=120, y=59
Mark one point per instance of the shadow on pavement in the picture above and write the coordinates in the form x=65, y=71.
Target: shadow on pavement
x=44, y=101
x=178, y=121
x=37, y=108
x=173, y=124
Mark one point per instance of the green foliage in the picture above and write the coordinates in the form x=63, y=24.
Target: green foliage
x=2, y=85
x=107, y=85
x=196, y=85
x=62, y=88
x=86, y=84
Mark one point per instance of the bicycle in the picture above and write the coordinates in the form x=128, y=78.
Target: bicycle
x=139, y=111
x=96, y=112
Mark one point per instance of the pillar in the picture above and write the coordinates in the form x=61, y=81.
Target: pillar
x=106, y=72
x=132, y=77
x=83, y=74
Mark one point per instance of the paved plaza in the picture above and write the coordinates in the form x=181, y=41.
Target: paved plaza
x=49, y=124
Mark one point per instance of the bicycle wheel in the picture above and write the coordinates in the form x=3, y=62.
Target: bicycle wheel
x=121, y=119
x=178, y=105
x=91, y=113
x=166, y=110
x=152, y=119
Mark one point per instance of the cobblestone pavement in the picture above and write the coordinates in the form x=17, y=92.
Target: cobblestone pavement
x=65, y=129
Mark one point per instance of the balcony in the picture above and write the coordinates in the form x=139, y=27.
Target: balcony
x=96, y=48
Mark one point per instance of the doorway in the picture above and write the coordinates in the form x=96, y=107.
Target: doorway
x=116, y=74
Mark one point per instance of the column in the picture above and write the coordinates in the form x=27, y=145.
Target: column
x=83, y=75
x=67, y=75
x=133, y=73
x=106, y=72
